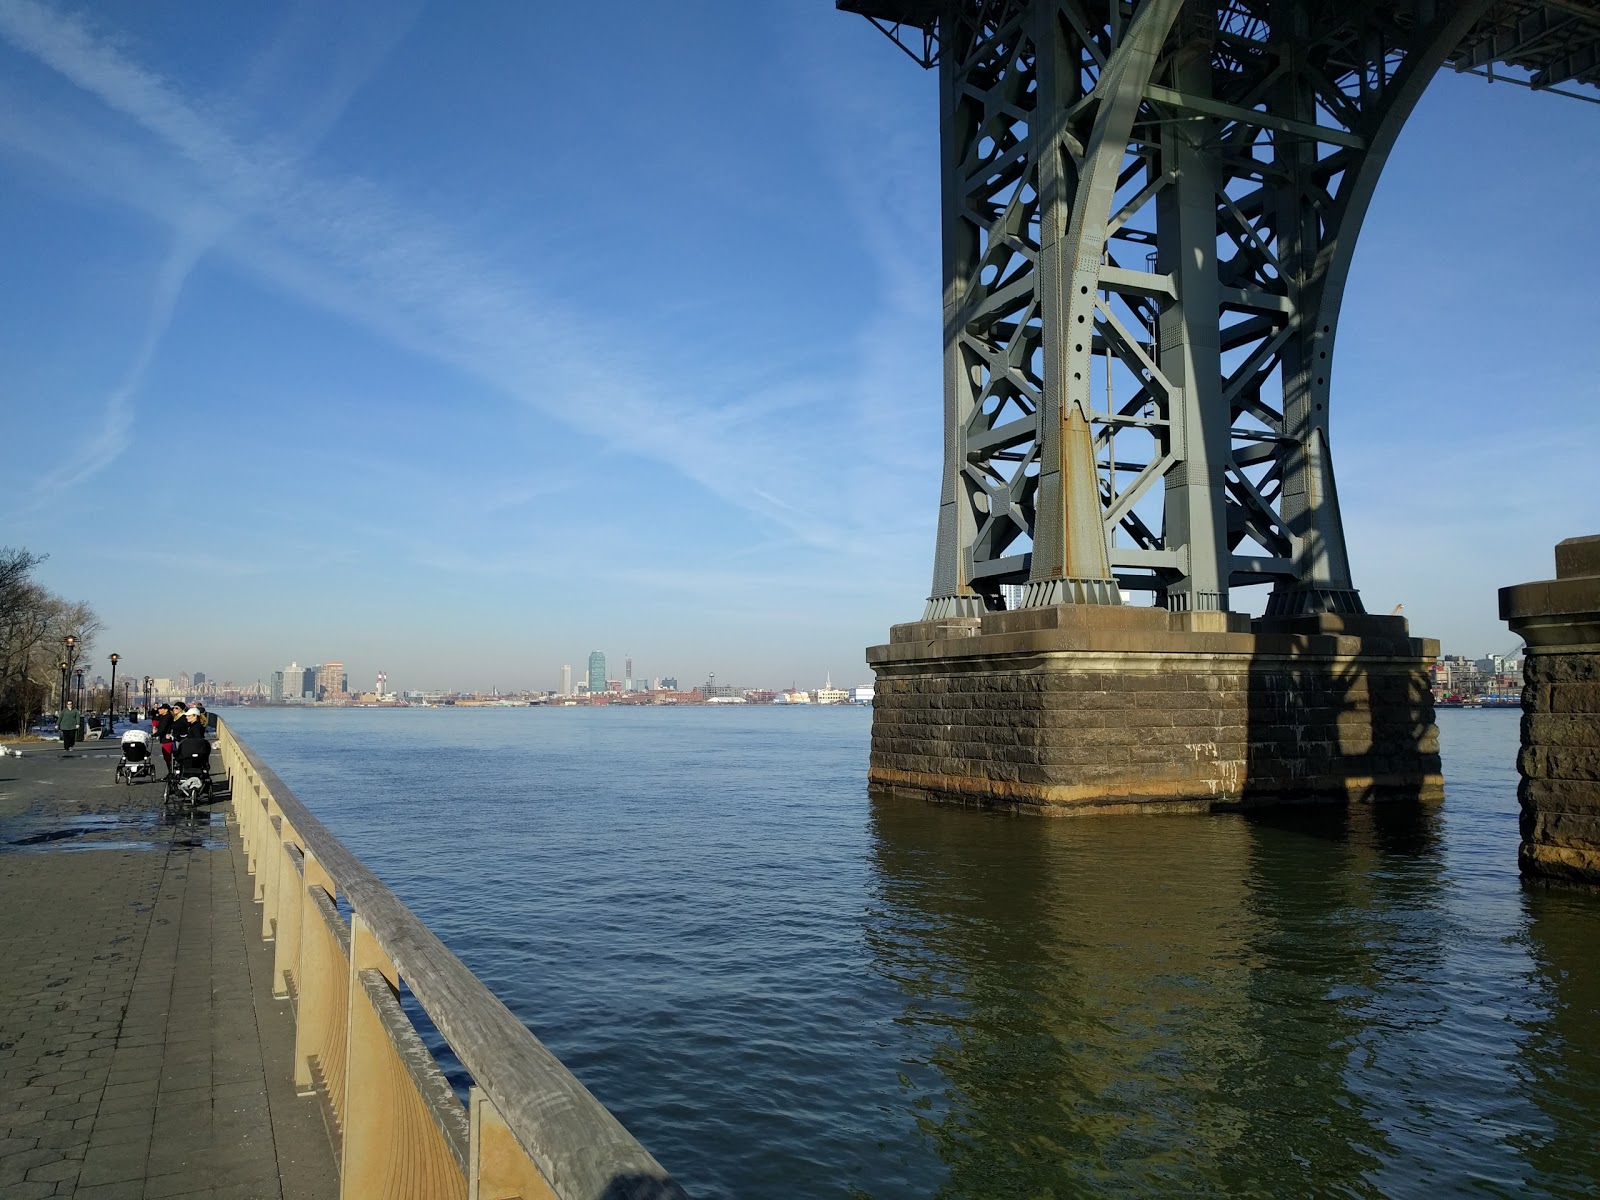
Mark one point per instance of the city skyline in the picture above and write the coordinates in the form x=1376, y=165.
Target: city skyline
x=396, y=332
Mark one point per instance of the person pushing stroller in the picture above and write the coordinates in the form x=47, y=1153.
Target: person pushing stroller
x=191, y=756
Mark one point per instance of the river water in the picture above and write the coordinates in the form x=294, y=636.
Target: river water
x=787, y=989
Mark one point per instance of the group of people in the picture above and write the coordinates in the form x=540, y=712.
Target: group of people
x=171, y=724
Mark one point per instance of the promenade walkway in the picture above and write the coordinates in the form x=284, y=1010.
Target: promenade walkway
x=141, y=1052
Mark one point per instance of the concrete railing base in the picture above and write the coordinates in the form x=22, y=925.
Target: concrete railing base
x=1088, y=708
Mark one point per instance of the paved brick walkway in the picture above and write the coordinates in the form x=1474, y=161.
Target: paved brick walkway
x=141, y=1052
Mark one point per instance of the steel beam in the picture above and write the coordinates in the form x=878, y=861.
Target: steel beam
x=1150, y=211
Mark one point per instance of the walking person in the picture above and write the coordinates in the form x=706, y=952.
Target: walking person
x=69, y=722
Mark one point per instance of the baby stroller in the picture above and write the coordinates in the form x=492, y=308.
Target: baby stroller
x=190, y=781
x=136, y=764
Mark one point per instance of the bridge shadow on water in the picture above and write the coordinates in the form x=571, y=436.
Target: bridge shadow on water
x=1168, y=1006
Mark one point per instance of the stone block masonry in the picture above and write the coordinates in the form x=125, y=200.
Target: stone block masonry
x=1081, y=708
x=1560, y=758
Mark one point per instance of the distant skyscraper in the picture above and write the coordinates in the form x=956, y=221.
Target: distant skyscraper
x=566, y=679
x=199, y=678
x=597, y=673
x=627, y=673
x=330, y=680
x=276, y=694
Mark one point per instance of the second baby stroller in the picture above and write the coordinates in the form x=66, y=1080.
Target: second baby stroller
x=136, y=764
x=191, y=770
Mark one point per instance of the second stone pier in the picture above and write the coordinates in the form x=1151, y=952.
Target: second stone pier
x=1086, y=708
x=1560, y=761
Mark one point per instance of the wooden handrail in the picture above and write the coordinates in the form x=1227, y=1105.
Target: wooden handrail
x=531, y=1129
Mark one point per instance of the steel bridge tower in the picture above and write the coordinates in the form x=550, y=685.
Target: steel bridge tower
x=1149, y=215
x=1150, y=209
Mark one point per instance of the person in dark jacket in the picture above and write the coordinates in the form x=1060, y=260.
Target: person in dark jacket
x=191, y=724
x=163, y=730
x=69, y=722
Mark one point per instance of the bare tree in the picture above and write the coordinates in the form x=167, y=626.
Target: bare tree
x=34, y=626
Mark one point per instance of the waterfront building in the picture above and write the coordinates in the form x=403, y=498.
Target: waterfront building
x=566, y=680
x=862, y=693
x=597, y=673
x=627, y=672
x=668, y=684
x=276, y=693
x=828, y=694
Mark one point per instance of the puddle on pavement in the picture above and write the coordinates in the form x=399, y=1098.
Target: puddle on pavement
x=201, y=830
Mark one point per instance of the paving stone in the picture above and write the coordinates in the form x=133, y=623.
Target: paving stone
x=132, y=1189
x=113, y=1164
x=56, y=1172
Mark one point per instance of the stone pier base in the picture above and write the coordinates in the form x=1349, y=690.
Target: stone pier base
x=1083, y=708
x=1560, y=759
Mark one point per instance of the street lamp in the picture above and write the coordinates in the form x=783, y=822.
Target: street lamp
x=111, y=696
x=80, y=688
x=148, y=681
x=127, y=697
x=71, y=643
x=61, y=695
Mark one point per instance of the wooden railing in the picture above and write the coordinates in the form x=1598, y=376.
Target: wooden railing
x=529, y=1130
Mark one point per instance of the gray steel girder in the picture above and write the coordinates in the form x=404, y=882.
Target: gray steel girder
x=1149, y=214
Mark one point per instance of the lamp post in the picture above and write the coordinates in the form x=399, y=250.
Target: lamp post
x=148, y=681
x=70, y=642
x=111, y=696
x=61, y=694
x=79, y=674
x=127, y=697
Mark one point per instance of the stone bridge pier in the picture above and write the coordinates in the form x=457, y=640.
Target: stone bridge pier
x=1149, y=213
x=1079, y=708
x=1560, y=761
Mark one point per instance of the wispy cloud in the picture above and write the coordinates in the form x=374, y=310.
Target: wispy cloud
x=344, y=244
x=70, y=47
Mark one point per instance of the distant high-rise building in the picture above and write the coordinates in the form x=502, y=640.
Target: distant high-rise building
x=276, y=693
x=670, y=684
x=293, y=681
x=331, y=681
x=199, y=678
x=308, y=683
x=566, y=679
x=597, y=673
x=627, y=672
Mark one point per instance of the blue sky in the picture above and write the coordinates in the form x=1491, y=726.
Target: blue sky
x=455, y=342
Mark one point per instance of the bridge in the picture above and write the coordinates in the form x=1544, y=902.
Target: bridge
x=1149, y=216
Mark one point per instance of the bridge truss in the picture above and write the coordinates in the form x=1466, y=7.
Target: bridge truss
x=1149, y=212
